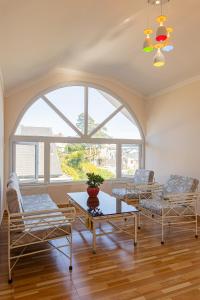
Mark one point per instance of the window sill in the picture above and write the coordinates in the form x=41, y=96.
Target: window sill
x=52, y=183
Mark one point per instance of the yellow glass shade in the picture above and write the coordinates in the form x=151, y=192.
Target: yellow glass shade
x=159, y=45
x=148, y=31
x=161, y=19
x=159, y=64
x=159, y=59
x=170, y=29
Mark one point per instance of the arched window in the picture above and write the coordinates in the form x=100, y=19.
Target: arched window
x=73, y=130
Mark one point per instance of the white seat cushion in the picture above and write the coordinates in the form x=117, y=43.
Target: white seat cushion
x=160, y=207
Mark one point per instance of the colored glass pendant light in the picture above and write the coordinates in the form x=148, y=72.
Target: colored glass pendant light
x=168, y=46
x=159, y=59
x=161, y=33
x=147, y=46
x=163, y=38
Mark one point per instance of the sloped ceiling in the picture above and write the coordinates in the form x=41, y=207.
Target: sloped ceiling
x=101, y=37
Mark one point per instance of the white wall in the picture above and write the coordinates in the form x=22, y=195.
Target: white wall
x=173, y=133
x=16, y=102
x=1, y=148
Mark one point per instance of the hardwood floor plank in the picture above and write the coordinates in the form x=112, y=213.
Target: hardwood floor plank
x=117, y=271
x=176, y=287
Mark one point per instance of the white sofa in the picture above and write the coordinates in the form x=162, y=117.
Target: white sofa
x=35, y=219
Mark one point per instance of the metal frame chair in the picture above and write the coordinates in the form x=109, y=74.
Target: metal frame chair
x=169, y=208
x=128, y=189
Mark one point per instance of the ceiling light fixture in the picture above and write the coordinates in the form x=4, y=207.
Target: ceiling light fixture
x=157, y=2
x=159, y=59
x=163, y=36
x=161, y=33
x=148, y=46
x=168, y=45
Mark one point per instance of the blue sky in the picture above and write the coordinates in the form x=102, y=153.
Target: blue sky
x=70, y=101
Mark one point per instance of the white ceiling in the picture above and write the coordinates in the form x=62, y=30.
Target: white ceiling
x=103, y=37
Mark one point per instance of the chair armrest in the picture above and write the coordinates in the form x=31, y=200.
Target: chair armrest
x=182, y=198
x=36, y=189
x=55, y=217
x=150, y=187
x=70, y=210
x=119, y=183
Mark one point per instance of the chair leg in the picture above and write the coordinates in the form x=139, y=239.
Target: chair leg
x=9, y=261
x=135, y=229
x=162, y=240
x=139, y=221
x=9, y=267
x=196, y=227
x=70, y=249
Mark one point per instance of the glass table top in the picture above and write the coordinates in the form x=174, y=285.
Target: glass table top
x=102, y=205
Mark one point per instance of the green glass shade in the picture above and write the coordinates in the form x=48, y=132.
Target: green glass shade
x=148, y=49
x=147, y=46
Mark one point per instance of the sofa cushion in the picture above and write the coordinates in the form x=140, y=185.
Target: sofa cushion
x=122, y=193
x=37, y=202
x=143, y=176
x=40, y=202
x=14, y=197
x=180, y=184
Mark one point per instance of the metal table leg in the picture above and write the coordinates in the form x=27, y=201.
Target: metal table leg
x=94, y=237
x=135, y=227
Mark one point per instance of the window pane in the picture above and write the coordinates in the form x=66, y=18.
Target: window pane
x=121, y=126
x=70, y=101
x=130, y=159
x=41, y=120
x=71, y=162
x=30, y=161
x=100, y=106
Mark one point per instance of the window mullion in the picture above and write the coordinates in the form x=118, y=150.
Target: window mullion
x=118, y=160
x=36, y=161
x=106, y=120
x=63, y=117
x=142, y=156
x=46, y=162
x=86, y=111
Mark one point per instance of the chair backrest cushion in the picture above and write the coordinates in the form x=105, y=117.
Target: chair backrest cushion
x=143, y=176
x=180, y=184
x=13, y=195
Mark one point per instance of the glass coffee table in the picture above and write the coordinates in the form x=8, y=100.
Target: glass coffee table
x=105, y=209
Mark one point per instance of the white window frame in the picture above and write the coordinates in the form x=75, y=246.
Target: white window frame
x=35, y=144
x=83, y=137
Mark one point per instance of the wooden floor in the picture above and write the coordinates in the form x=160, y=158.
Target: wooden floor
x=118, y=271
